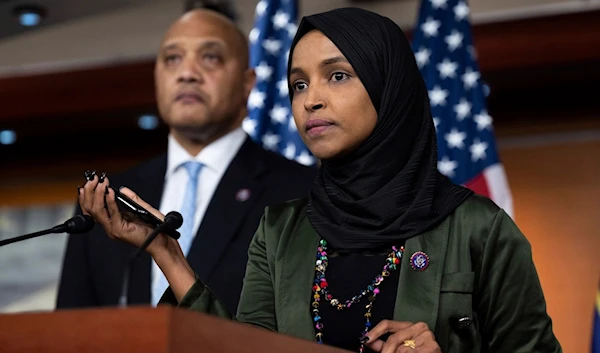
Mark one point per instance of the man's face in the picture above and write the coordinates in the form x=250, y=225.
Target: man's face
x=201, y=76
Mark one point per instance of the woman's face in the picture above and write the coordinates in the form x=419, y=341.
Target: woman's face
x=331, y=107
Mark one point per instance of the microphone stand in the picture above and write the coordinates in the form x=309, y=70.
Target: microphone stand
x=27, y=236
x=75, y=225
x=126, y=274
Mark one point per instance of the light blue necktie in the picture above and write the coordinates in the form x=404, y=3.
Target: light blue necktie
x=188, y=211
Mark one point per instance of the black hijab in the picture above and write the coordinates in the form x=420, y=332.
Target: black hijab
x=389, y=188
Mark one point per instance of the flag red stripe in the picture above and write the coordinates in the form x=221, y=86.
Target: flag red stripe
x=479, y=185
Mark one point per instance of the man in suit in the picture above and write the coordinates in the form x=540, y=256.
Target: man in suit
x=211, y=167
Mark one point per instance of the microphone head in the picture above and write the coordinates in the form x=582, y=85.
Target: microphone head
x=174, y=219
x=80, y=224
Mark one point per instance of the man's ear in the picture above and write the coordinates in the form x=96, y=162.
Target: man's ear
x=249, y=81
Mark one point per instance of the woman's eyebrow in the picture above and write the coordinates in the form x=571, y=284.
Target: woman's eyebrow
x=334, y=60
x=324, y=63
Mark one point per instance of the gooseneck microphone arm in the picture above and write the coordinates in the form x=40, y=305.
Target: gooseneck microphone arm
x=75, y=225
x=25, y=237
x=173, y=220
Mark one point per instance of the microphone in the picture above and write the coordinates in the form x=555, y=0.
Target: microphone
x=173, y=220
x=76, y=225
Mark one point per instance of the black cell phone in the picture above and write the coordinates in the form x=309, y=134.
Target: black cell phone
x=132, y=211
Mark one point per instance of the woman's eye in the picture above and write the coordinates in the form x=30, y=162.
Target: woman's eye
x=299, y=86
x=338, y=76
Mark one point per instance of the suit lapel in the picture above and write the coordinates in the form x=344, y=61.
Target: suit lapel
x=149, y=186
x=418, y=291
x=296, y=280
x=225, y=213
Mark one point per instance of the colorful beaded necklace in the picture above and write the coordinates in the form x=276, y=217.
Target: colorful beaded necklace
x=321, y=289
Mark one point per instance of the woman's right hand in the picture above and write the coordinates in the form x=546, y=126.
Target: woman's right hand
x=92, y=201
x=164, y=250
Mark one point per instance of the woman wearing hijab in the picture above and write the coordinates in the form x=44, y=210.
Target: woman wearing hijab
x=385, y=254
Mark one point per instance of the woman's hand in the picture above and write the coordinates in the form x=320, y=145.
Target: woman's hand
x=404, y=337
x=92, y=199
x=164, y=250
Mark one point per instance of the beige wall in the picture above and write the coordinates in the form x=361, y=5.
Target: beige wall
x=556, y=189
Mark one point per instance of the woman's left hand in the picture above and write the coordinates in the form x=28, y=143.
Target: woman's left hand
x=404, y=337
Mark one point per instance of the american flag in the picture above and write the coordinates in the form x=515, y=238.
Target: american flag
x=270, y=119
x=444, y=51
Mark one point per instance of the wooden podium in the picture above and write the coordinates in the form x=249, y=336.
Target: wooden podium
x=141, y=329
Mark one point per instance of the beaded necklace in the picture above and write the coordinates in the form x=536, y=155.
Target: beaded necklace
x=321, y=289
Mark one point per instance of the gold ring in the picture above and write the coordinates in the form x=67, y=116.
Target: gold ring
x=410, y=343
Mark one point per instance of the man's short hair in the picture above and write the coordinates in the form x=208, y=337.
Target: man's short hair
x=224, y=7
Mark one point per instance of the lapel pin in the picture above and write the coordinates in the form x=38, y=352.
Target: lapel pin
x=419, y=261
x=242, y=195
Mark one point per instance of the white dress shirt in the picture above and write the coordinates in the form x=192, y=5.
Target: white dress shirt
x=215, y=159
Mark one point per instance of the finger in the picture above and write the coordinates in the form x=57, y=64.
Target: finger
x=396, y=340
x=394, y=346
x=418, y=328
x=387, y=326
x=132, y=195
x=81, y=199
x=375, y=346
x=382, y=328
x=99, y=211
x=419, y=345
x=426, y=343
x=113, y=208
x=407, y=349
x=88, y=195
x=401, y=347
x=423, y=338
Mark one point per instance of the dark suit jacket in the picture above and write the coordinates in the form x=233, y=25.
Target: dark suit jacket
x=93, y=264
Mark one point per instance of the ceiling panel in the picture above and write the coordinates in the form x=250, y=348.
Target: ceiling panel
x=57, y=11
x=99, y=32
